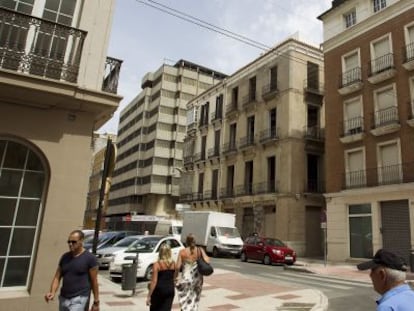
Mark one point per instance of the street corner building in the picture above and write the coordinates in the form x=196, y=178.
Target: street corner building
x=56, y=87
x=369, y=96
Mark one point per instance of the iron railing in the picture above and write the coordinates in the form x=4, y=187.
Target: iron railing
x=265, y=187
x=315, y=186
x=232, y=107
x=247, y=141
x=213, y=152
x=216, y=116
x=352, y=126
x=314, y=132
x=385, y=175
x=385, y=117
x=314, y=86
x=33, y=45
x=229, y=147
x=226, y=192
x=249, y=100
x=381, y=64
x=408, y=52
x=111, y=75
x=350, y=77
x=268, y=135
x=270, y=88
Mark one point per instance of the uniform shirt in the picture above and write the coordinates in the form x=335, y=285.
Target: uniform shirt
x=400, y=298
x=75, y=274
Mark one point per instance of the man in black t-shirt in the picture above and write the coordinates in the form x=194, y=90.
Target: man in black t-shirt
x=78, y=270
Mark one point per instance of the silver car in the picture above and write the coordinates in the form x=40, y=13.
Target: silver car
x=104, y=256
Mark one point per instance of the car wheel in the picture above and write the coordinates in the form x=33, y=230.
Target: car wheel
x=267, y=260
x=215, y=252
x=148, y=273
x=243, y=257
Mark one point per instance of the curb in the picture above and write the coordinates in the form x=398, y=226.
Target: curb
x=298, y=269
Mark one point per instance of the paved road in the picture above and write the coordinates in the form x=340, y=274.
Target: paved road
x=342, y=294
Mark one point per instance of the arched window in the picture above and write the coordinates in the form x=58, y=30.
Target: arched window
x=22, y=184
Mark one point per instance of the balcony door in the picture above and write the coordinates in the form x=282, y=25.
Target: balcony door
x=352, y=118
x=355, y=169
x=248, y=177
x=381, y=55
x=389, y=168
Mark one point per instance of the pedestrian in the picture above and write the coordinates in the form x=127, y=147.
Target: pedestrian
x=190, y=284
x=78, y=270
x=388, y=274
x=161, y=289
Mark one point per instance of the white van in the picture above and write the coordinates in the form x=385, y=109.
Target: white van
x=169, y=227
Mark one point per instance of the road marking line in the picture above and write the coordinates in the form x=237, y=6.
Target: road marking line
x=331, y=279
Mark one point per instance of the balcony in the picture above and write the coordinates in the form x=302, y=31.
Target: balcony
x=203, y=123
x=314, y=132
x=379, y=176
x=381, y=68
x=210, y=195
x=350, y=81
x=408, y=54
x=199, y=157
x=232, y=110
x=352, y=130
x=265, y=187
x=214, y=152
x=191, y=129
x=229, y=148
x=188, y=159
x=314, y=91
x=243, y=190
x=269, y=91
x=34, y=46
x=226, y=193
x=268, y=135
x=247, y=142
x=111, y=76
x=249, y=101
x=385, y=121
x=216, y=117
x=186, y=198
x=314, y=186
x=197, y=196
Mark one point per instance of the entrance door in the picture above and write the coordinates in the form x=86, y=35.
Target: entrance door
x=396, y=228
x=314, y=238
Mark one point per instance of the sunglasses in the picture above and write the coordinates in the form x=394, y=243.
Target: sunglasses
x=72, y=242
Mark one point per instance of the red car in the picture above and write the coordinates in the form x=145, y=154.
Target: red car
x=267, y=250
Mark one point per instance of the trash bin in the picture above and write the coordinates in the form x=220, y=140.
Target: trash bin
x=129, y=274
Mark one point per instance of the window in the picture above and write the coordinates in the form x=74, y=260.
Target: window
x=22, y=184
x=379, y=5
x=312, y=75
x=273, y=122
x=355, y=168
x=409, y=42
x=386, y=107
x=271, y=174
x=250, y=129
x=351, y=68
x=273, y=78
x=389, y=168
x=252, y=88
x=350, y=19
x=59, y=11
x=360, y=231
x=234, y=97
x=232, y=138
x=381, y=55
x=22, y=6
x=353, y=121
x=230, y=180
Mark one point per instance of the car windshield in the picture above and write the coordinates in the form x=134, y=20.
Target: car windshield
x=228, y=232
x=274, y=242
x=177, y=229
x=125, y=242
x=145, y=245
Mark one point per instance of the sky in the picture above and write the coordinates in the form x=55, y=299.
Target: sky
x=145, y=38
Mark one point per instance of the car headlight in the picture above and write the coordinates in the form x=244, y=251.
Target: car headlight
x=277, y=252
x=108, y=255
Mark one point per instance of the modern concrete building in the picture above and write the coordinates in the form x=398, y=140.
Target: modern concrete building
x=369, y=71
x=150, y=141
x=255, y=147
x=54, y=91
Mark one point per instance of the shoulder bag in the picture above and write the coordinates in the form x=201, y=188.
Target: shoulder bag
x=203, y=267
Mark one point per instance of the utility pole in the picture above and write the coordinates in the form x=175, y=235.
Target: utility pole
x=109, y=157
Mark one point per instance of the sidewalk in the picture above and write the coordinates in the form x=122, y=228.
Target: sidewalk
x=224, y=290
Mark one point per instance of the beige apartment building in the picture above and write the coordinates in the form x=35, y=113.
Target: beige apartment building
x=255, y=147
x=369, y=95
x=150, y=142
x=56, y=87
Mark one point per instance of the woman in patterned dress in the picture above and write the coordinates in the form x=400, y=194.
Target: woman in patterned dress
x=191, y=282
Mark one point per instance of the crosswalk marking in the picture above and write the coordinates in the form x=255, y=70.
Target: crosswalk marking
x=323, y=278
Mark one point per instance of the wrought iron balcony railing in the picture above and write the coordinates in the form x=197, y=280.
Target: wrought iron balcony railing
x=216, y=116
x=270, y=88
x=350, y=77
x=111, y=75
x=314, y=86
x=385, y=117
x=268, y=135
x=214, y=152
x=249, y=100
x=188, y=197
x=315, y=186
x=39, y=47
x=232, y=107
x=314, y=133
x=381, y=64
x=265, y=187
x=385, y=175
x=246, y=189
x=408, y=52
x=226, y=192
x=247, y=141
x=229, y=147
x=198, y=196
x=352, y=126
x=210, y=195
x=188, y=159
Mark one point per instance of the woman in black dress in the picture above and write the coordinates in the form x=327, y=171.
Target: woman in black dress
x=161, y=290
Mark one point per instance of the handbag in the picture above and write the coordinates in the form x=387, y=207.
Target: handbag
x=204, y=268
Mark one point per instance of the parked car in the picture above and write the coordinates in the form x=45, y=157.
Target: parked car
x=267, y=250
x=107, y=239
x=105, y=255
x=147, y=248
